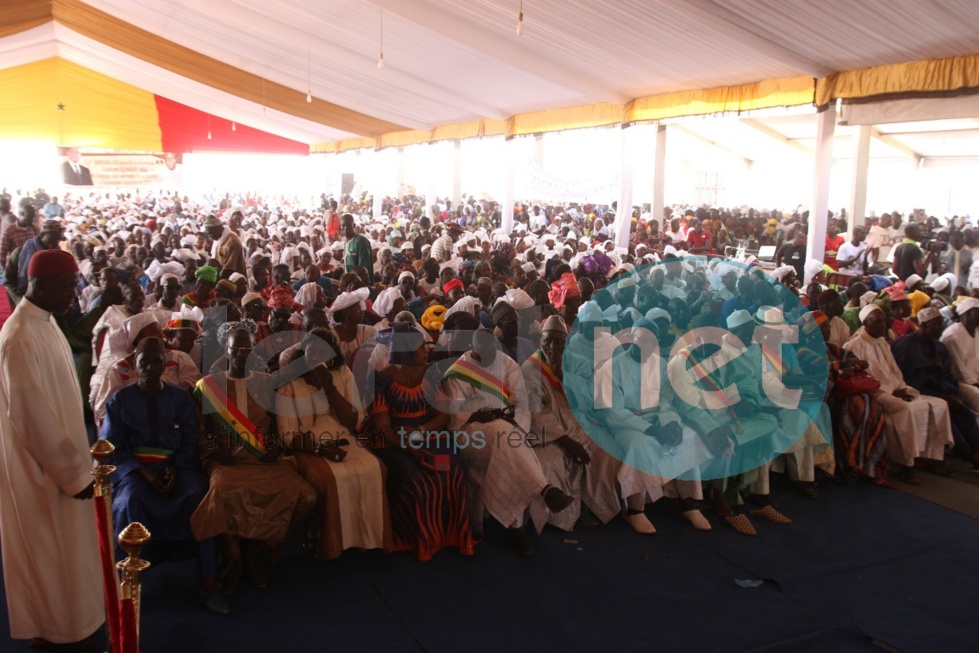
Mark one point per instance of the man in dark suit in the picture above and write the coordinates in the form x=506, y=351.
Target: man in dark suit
x=74, y=173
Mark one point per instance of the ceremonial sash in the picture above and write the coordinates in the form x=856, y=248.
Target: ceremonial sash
x=774, y=359
x=226, y=413
x=545, y=369
x=146, y=455
x=479, y=378
x=713, y=384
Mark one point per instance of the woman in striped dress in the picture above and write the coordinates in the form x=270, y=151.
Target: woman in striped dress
x=426, y=482
x=858, y=421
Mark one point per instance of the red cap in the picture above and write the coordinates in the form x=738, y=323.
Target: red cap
x=452, y=285
x=51, y=263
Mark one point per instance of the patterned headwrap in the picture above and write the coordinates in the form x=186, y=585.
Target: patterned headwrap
x=281, y=299
x=566, y=286
x=229, y=327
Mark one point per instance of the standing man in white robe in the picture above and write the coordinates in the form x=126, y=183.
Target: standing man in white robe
x=49, y=543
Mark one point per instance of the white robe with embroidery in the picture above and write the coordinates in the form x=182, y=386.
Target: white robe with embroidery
x=914, y=429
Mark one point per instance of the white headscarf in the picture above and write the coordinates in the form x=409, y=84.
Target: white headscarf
x=348, y=299
x=120, y=340
x=812, y=268
x=308, y=293
x=467, y=304
x=385, y=301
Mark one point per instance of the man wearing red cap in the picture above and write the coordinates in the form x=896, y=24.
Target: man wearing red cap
x=49, y=544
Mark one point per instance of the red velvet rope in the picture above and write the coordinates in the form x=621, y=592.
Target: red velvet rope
x=109, y=578
x=129, y=637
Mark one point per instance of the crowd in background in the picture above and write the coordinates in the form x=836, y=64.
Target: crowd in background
x=261, y=363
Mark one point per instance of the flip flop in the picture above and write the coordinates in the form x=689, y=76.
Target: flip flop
x=741, y=524
x=772, y=515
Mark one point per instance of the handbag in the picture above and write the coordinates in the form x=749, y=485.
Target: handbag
x=858, y=383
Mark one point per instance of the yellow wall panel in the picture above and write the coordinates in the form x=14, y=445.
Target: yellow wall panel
x=61, y=102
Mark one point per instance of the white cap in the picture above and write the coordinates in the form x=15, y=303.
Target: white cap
x=737, y=318
x=660, y=314
x=867, y=310
x=965, y=305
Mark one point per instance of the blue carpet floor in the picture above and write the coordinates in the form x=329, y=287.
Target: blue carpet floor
x=860, y=564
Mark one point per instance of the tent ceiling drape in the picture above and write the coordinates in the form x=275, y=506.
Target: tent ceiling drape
x=458, y=67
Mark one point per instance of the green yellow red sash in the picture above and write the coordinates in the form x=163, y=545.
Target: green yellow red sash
x=217, y=404
x=479, y=378
x=712, y=384
x=774, y=359
x=545, y=369
x=147, y=455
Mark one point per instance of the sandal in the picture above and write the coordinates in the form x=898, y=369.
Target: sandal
x=772, y=515
x=741, y=524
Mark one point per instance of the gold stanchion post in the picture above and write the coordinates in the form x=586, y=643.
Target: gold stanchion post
x=132, y=539
x=101, y=451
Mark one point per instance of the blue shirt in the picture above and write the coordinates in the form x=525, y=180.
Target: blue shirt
x=26, y=252
x=324, y=283
x=53, y=210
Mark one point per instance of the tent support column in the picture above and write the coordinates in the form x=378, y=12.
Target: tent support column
x=506, y=206
x=539, y=150
x=401, y=172
x=431, y=196
x=338, y=177
x=378, y=182
x=623, y=214
x=659, y=177
x=858, y=195
x=825, y=127
x=456, y=172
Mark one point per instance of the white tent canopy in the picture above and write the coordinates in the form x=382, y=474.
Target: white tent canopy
x=451, y=61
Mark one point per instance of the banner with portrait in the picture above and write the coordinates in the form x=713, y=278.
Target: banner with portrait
x=120, y=169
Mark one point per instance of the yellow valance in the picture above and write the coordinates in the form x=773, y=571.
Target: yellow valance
x=919, y=78
x=556, y=120
x=794, y=91
x=768, y=94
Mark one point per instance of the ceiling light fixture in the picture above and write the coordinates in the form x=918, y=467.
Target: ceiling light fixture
x=380, y=57
x=520, y=20
x=234, y=127
x=208, y=126
x=309, y=91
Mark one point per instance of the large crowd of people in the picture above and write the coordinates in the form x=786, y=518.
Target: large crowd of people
x=268, y=370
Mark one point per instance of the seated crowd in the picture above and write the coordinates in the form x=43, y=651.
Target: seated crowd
x=268, y=373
